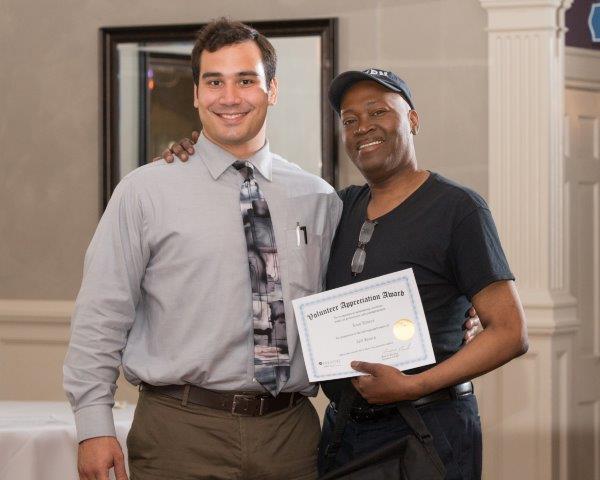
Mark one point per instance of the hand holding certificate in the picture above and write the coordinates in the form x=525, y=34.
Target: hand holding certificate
x=380, y=320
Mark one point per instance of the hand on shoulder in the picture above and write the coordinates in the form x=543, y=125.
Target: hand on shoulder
x=182, y=150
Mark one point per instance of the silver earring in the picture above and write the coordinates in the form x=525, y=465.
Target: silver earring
x=414, y=130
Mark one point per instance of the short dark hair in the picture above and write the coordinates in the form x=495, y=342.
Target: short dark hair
x=222, y=32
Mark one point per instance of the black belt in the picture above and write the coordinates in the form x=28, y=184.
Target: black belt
x=377, y=412
x=252, y=404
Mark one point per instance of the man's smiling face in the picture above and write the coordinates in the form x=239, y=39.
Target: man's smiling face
x=232, y=97
x=376, y=125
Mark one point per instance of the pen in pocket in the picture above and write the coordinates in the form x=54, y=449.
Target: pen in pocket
x=298, y=236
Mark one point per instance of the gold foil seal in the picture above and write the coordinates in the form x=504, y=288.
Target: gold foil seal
x=404, y=329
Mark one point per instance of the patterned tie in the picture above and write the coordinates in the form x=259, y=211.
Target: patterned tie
x=271, y=356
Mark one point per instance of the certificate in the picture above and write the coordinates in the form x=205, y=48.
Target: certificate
x=380, y=320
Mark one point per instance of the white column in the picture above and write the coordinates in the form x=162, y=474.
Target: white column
x=525, y=406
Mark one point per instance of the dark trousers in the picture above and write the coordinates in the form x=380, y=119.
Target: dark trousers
x=454, y=424
x=170, y=441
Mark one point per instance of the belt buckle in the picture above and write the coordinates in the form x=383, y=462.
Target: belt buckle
x=261, y=406
x=240, y=399
x=456, y=393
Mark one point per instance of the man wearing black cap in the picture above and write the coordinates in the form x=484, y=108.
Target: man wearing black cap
x=405, y=217
x=383, y=77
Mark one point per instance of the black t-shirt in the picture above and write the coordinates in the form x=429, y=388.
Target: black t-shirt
x=445, y=233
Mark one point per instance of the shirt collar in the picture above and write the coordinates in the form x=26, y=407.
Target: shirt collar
x=217, y=159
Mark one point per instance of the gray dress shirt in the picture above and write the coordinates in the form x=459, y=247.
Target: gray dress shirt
x=166, y=285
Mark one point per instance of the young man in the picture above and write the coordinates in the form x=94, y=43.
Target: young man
x=188, y=284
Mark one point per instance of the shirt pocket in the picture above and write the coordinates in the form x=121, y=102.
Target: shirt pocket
x=305, y=264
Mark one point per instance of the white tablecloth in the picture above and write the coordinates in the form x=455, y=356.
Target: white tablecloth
x=38, y=442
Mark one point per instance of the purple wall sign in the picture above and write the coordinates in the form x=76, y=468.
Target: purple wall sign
x=583, y=22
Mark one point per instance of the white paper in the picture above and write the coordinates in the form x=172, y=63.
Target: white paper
x=380, y=320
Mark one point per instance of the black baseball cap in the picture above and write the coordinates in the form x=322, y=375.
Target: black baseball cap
x=345, y=80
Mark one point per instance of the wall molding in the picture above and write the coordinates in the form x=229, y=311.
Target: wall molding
x=36, y=341
x=34, y=336
x=42, y=311
x=582, y=68
x=551, y=331
x=582, y=52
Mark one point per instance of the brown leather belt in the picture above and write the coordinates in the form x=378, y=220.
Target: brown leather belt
x=251, y=404
x=376, y=412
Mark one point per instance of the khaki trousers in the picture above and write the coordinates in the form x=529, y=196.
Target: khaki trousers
x=168, y=441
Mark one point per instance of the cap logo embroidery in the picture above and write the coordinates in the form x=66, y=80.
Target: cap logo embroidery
x=372, y=71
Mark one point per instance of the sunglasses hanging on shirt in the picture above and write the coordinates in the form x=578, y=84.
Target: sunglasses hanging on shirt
x=360, y=255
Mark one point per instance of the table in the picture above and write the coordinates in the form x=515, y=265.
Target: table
x=38, y=441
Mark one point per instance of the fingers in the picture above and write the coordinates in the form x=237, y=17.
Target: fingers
x=363, y=381
x=120, y=472
x=96, y=474
x=167, y=156
x=364, y=367
x=183, y=149
x=363, y=386
x=177, y=149
x=474, y=324
x=469, y=335
x=472, y=328
x=187, y=144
